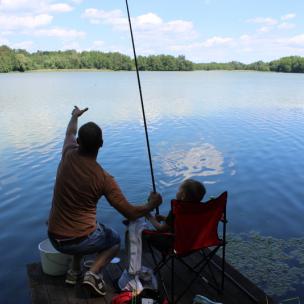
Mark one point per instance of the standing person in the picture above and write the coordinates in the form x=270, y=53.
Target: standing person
x=80, y=183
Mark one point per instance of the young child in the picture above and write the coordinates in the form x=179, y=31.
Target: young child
x=189, y=191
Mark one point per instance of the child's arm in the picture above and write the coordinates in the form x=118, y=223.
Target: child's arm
x=163, y=227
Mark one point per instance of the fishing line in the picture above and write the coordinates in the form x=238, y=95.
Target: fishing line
x=142, y=102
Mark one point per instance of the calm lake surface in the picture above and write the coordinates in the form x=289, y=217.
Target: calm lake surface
x=236, y=131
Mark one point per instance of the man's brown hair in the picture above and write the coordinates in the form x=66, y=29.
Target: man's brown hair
x=90, y=138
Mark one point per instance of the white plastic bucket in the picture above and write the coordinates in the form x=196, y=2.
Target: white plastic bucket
x=53, y=262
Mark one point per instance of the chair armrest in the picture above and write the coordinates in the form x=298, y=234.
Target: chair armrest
x=155, y=232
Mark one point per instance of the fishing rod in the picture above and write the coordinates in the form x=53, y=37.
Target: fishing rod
x=142, y=103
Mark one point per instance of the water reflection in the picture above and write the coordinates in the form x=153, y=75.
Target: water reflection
x=22, y=131
x=185, y=162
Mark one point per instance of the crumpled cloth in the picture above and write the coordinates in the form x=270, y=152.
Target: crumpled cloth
x=137, y=277
x=144, y=279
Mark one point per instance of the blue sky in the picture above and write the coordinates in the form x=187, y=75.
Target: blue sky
x=203, y=30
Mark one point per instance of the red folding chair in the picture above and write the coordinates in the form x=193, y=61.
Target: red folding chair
x=196, y=227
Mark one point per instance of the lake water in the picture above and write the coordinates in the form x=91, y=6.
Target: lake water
x=236, y=131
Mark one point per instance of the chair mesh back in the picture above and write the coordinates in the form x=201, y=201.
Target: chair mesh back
x=196, y=224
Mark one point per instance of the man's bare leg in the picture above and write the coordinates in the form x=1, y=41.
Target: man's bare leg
x=104, y=258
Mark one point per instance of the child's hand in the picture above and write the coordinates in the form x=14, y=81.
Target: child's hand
x=160, y=218
x=148, y=216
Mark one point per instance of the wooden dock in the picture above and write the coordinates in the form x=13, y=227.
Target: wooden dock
x=46, y=289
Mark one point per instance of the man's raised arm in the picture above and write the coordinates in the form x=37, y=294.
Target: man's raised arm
x=70, y=135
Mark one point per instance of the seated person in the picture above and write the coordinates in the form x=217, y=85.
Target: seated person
x=189, y=191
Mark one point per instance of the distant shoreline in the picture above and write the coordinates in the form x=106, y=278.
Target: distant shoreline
x=68, y=70
x=17, y=60
x=132, y=71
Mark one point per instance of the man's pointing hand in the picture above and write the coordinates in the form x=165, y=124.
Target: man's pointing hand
x=77, y=112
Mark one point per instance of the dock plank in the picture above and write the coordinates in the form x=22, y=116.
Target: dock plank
x=111, y=275
x=48, y=290
x=37, y=288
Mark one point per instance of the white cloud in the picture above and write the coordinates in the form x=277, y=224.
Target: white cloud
x=12, y=22
x=148, y=19
x=34, y=6
x=3, y=40
x=71, y=45
x=264, y=29
x=76, y=1
x=97, y=44
x=245, y=48
x=286, y=26
x=179, y=26
x=28, y=44
x=7, y=32
x=288, y=16
x=60, y=33
x=60, y=8
x=264, y=21
x=245, y=39
x=212, y=42
x=295, y=41
x=152, y=33
x=217, y=41
x=114, y=18
x=16, y=4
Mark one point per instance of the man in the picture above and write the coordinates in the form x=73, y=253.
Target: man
x=80, y=183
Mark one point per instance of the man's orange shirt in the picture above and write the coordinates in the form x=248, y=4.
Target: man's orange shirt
x=80, y=183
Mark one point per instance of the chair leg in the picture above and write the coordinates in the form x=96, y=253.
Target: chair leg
x=157, y=269
x=224, y=249
x=172, y=280
x=211, y=271
x=223, y=267
x=198, y=273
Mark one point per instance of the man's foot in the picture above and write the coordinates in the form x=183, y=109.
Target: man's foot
x=95, y=282
x=72, y=277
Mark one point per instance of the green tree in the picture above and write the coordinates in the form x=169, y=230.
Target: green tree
x=22, y=63
x=7, y=59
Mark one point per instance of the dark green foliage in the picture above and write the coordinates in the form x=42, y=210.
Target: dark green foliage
x=164, y=63
x=258, y=66
x=233, y=65
x=292, y=64
x=21, y=60
x=7, y=59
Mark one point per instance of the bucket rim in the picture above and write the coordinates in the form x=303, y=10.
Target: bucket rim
x=44, y=250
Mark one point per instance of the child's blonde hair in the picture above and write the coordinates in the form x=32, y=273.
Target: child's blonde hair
x=193, y=190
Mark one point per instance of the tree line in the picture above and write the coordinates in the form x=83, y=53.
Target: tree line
x=21, y=60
